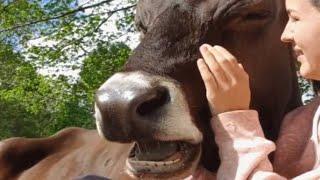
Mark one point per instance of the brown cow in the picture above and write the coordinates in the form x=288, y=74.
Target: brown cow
x=158, y=100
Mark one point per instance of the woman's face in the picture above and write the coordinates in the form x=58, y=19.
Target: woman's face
x=303, y=33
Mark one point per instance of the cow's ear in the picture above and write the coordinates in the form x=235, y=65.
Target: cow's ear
x=147, y=11
x=140, y=18
x=140, y=28
x=141, y=36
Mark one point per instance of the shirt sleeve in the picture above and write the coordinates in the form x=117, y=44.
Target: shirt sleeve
x=243, y=148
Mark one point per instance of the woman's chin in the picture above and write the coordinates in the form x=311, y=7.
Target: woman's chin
x=304, y=74
x=309, y=73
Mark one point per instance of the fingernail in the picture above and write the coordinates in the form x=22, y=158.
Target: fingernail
x=199, y=62
x=204, y=48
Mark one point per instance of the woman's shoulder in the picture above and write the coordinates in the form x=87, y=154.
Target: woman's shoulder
x=300, y=119
x=295, y=152
x=305, y=112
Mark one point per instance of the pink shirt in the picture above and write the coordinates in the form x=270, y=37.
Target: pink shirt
x=244, y=150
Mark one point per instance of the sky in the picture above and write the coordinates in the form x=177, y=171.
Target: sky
x=108, y=27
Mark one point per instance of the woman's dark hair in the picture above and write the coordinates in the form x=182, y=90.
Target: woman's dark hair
x=316, y=3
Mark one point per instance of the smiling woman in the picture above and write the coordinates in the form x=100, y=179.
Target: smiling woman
x=227, y=84
x=303, y=33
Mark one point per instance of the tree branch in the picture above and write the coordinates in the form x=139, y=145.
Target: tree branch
x=57, y=16
x=110, y=13
x=67, y=43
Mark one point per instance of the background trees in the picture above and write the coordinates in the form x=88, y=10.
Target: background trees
x=54, y=54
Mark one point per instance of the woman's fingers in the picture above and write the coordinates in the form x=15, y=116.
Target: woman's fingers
x=223, y=66
x=231, y=59
x=226, y=64
x=233, y=70
x=226, y=81
x=242, y=68
x=214, y=67
x=207, y=76
x=226, y=54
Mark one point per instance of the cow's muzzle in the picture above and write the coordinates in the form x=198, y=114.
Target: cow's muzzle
x=142, y=107
x=153, y=112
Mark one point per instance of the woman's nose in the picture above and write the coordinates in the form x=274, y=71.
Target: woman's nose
x=287, y=34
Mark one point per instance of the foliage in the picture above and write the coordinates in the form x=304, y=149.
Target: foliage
x=63, y=31
x=104, y=61
x=32, y=105
x=70, y=34
x=307, y=91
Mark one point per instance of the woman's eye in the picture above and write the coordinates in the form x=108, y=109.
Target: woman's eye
x=293, y=19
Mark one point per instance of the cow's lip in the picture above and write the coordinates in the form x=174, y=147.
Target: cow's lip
x=182, y=159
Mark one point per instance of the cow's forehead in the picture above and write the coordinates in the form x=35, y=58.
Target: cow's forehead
x=149, y=10
x=158, y=6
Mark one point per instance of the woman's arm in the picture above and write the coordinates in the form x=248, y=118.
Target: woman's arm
x=243, y=149
x=242, y=146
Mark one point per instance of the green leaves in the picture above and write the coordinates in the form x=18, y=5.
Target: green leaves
x=68, y=29
x=15, y=14
x=33, y=105
x=63, y=35
x=105, y=60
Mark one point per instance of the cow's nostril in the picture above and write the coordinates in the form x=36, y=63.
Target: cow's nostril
x=159, y=98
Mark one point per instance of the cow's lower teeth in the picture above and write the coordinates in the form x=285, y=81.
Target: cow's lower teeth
x=154, y=164
x=168, y=158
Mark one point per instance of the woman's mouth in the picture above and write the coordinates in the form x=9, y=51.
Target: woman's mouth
x=297, y=53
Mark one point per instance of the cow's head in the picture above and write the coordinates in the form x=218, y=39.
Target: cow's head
x=158, y=100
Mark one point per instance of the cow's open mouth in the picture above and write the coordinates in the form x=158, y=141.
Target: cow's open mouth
x=162, y=157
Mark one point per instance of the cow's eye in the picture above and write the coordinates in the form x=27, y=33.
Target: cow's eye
x=256, y=16
x=249, y=21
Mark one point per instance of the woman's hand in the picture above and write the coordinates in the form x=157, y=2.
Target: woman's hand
x=226, y=82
